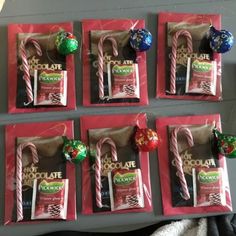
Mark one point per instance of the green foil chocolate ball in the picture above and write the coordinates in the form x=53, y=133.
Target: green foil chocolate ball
x=74, y=150
x=226, y=144
x=66, y=43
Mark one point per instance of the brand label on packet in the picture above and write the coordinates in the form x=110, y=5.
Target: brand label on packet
x=208, y=186
x=50, y=88
x=126, y=189
x=125, y=179
x=50, y=198
x=208, y=177
x=50, y=188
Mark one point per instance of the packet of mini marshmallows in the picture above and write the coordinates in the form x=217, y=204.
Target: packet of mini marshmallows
x=50, y=198
x=126, y=189
x=50, y=88
x=208, y=187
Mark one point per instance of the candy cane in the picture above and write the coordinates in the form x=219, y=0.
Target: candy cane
x=26, y=67
x=98, y=166
x=178, y=159
x=174, y=54
x=100, y=60
x=20, y=148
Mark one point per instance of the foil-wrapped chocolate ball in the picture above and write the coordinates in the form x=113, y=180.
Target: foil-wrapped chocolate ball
x=66, y=43
x=146, y=139
x=140, y=39
x=74, y=150
x=221, y=41
x=226, y=144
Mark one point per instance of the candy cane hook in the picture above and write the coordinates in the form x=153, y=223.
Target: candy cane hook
x=26, y=67
x=178, y=159
x=35, y=158
x=174, y=54
x=100, y=60
x=98, y=166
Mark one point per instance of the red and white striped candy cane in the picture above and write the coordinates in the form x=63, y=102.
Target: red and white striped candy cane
x=174, y=54
x=100, y=60
x=35, y=158
x=178, y=159
x=26, y=67
x=98, y=166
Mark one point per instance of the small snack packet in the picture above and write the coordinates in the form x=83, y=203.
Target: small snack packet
x=50, y=198
x=123, y=80
x=201, y=77
x=126, y=189
x=50, y=88
x=208, y=186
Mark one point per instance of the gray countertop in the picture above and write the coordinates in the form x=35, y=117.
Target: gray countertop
x=44, y=11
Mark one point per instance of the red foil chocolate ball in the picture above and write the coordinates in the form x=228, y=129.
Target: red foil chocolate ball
x=146, y=139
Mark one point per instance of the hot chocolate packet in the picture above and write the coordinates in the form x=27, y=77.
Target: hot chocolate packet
x=50, y=198
x=126, y=189
x=201, y=77
x=123, y=80
x=208, y=187
x=50, y=88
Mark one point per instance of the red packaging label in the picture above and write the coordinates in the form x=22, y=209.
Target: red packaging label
x=208, y=187
x=201, y=77
x=50, y=197
x=126, y=189
x=123, y=80
x=50, y=87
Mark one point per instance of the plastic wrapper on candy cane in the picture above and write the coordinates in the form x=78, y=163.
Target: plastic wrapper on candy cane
x=26, y=67
x=98, y=166
x=177, y=157
x=174, y=55
x=100, y=60
x=20, y=148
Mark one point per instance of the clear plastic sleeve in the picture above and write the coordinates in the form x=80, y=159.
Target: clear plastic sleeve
x=34, y=151
x=187, y=66
x=193, y=174
x=32, y=48
x=114, y=74
x=128, y=174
